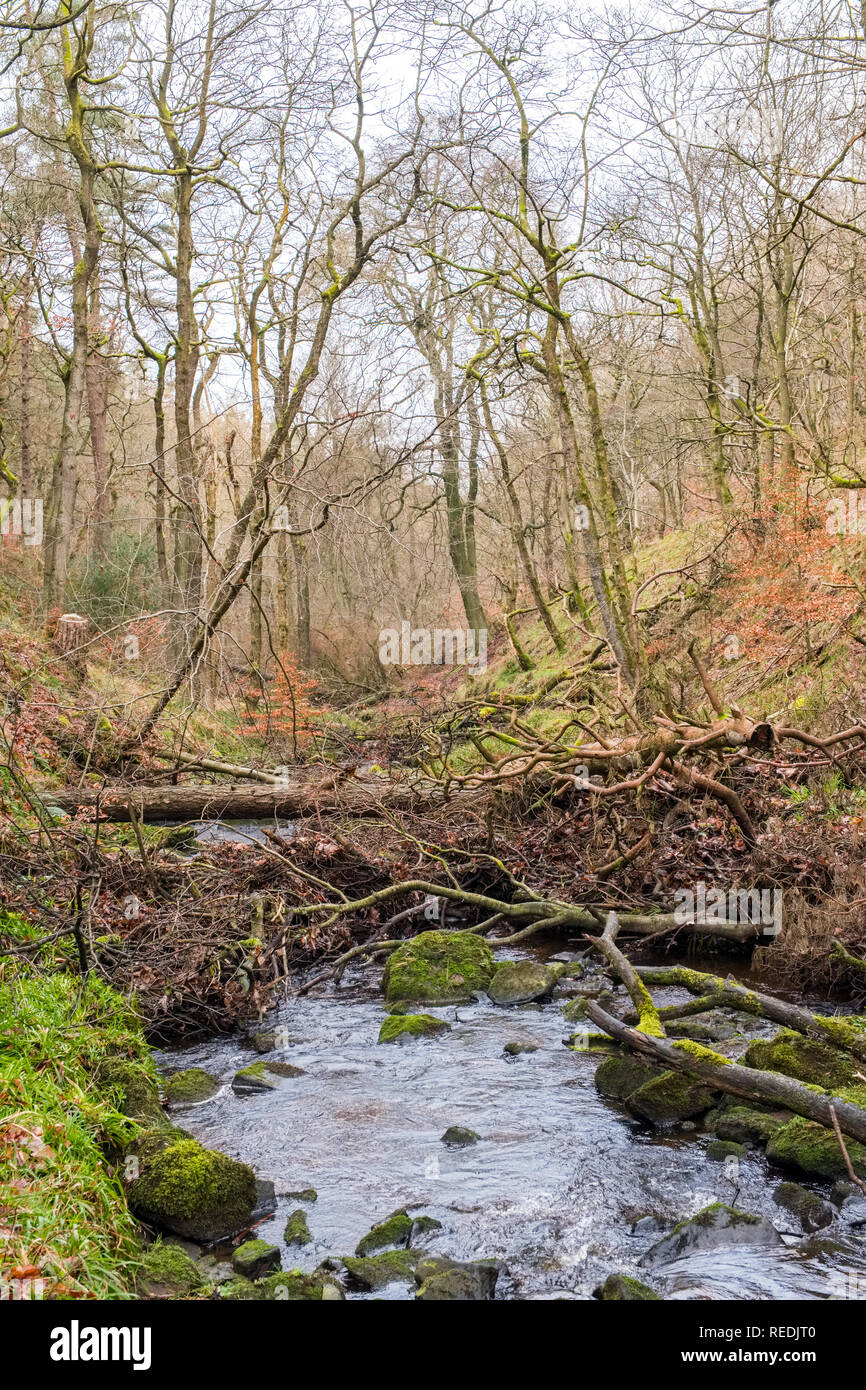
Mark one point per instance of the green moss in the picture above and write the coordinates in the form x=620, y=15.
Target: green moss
x=303, y=1194
x=187, y=1087
x=376, y=1271
x=521, y=981
x=255, y=1258
x=459, y=1137
x=815, y=1063
x=704, y=1054
x=136, y=1089
x=194, y=1191
x=670, y=1097
x=745, y=1125
x=168, y=1270
x=814, y=1149
x=622, y=1288
x=811, y=1211
x=619, y=1076
x=438, y=968
x=414, y=1025
x=720, y=1149
x=395, y=1230
x=292, y=1287
x=297, y=1231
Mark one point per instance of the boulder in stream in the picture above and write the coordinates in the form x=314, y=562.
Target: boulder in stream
x=524, y=981
x=459, y=1137
x=377, y=1271
x=623, y=1288
x=622, y=1074
x=443, y=1280
x=297, y=1231
x=814, y=1149
x=255, y=1258
x=260, y=1077
x=190, y=1086
x=812, y=1212
x=670, y=1097
x=401, y=1028
x=193, y=1191
x=805, y=1059
x=717, y=1226
x=438, y=967
x=394, y=1231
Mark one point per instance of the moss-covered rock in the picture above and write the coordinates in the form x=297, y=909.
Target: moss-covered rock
x=746, y=1126
x=422, y=1225
x=193, y=1191
x=168, y=1272
x=816, y=1063
x=137, y=1093
x=260, y=1077
x=706, y=1029
x=303, y=1194
x=394, y=1231
x=438, y=967
x=377, y=1271
x=255, y=1258
x=622, y=1288
x=620, y=1075
x=720, y=1149
x=402, y=1027
x=574, y=1010
x=811, y=1211
x=294, y=1287
x=190, y=1086
x=459, y=1137
x=442, y=1280
x=523, y=981
x=239, y=1291
x=716, y=1226
x=814, y=1149
x=297, y=1231
x=670, y=1097
x=515, y=1049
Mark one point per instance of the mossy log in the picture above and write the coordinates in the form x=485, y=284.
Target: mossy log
x=724, y=1075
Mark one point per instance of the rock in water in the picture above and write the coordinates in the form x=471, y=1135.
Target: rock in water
x=395, y=1230
x=811, y=1211
x=399, y=1028
x=522, y=981
x=297, y=1231
x=805, y=1059
x=622, y=1288
x=438, y=967
x=168, y=1272
x=443, y=1280
x=263, y=1076
x=190, y=1086
x=715, y=1227
x=670, y=1097
x=255, y=1258
x=458, y=1137
x=814, y=1149
x=194, y=1192
x=377, y=1271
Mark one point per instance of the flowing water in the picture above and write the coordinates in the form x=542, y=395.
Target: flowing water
x=553, y=1188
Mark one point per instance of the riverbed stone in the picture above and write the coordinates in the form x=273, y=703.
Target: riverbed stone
x=193, y=1191
x=400, y=1028
x=805, y=1059
x=395, y=1232
x=190, y=1086
x=524, y=981
x=670, y=1097
x=438, y=967
x=514, y=1049
x=814, y=1149
x=297, y=1231
x=377, y=1271
x=303, y=1194
x=255, y=1258
x=168, y=1272
x=721, y=1149
x=459, y=1137
x=746, y=1126
x=623, y=1288
x=703, y=1030
x=260, y=1077
x=443, y=1280
x=811, y=1211
x=718, y=1225
x=620, y=1075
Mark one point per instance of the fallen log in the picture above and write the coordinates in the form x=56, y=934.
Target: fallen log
x=721, y=1074
x=360, y=796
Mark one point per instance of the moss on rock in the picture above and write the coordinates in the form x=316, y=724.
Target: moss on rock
x=377, y=1271
x=814, y=1149
x=720, y=1149
x=438, y=967
x=189, y=1086
x=619, y=1076
x=297, y=1231
x=255, y=1258
x=811, y=1211
x=397, y=1027
x=816, y=1063
x=138, y=1092
x=744, y=1125
x=395, y=1230
x=522, y=981
x=193, y=1191
x=168, y=1272
x=670, y=1097
x=459, y=1137
x=259, y=1077
x=622, y=1288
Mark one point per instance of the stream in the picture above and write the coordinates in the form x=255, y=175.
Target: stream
x=559, y=1186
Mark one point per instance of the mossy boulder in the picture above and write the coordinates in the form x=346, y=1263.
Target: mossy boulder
x=715, y=1227
x=260, y=1077
x=394, y=1231
x=190, y=1086
x=303, y=1194
x=670, y=1097
x=297, y=1231
x=516, y=1048
x=721, y=1149
x=814, y=1149
x=194, y=1192
x=574, y=1010
x=377, y=1271
x=622, y=1074
x=816, y=1063
x=706, y=1029
x=459, y=1137
x=168, y=1272
x=746, y=1126
x=137, y=1093
x=422, y=1225
x=622, y=1288
x=523, y=981
x=438, y=967
x=255, y=1258
x=403, y=1027
x=443, y=1280
x=812, y=1212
